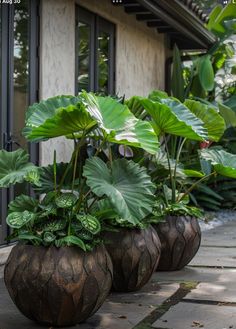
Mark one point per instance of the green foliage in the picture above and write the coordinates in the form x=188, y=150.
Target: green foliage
x=206, y=73
x=213, y=122
x=65, y=200
x=224, y=163
x=172, y=117
x=19, y=219
x=15, y=168
x=57, y=116
x=119, y=124
x=123, y=184
x=23, y=202
x=46, y=179
x=90, y=223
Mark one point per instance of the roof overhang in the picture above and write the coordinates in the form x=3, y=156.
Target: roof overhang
x=174, y=18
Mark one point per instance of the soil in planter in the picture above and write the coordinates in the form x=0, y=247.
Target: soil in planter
x=180, y=240
x=135, y=255
x=58, y=286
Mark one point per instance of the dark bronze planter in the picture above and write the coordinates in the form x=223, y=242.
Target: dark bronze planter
x=135, y=254
x=58, y=286
x=180, y=239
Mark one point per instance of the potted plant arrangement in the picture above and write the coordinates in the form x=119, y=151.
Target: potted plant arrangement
x=131, y=241
x=175, y=123
x=60, y=273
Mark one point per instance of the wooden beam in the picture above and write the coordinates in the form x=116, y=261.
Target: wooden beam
x=156, y=23
x=136, y=9
x=145, y=17
x=165, y=29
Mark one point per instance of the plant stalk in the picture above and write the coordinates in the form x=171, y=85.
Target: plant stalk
x=173, y=187
x=194, y=185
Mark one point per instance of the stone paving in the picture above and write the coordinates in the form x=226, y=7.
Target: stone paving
x=202, y=295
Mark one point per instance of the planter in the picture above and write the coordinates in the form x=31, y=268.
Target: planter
x=58, y=286
x=180, y=239
x=135, y=254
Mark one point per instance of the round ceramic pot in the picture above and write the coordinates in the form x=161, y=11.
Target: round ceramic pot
x=135, y=255
x=180, y=239
x=58, y=286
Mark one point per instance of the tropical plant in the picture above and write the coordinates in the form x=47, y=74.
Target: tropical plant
x=210, y=78
x=176, y=123
x=73, y=200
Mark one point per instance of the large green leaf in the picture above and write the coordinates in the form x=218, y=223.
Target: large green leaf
x=47, y=178
x=57, y=116
x=126, y=184
x=218, y=19
x=172, y=117
x=206, y=73
x=228, y=114
x=224, y=163
x=213, y=122
x=22, y=203
x=15, y=168
x=161, y=160
x=119, y=124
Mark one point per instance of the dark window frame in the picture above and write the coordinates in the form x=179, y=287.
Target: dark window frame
x=96, y=23
x=7, y=89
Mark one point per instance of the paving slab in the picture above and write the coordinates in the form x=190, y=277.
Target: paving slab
x=224, y=235
x=211, y=256
x=191, y=315
x=120, y=311
x=197, y=274
x=4, y=252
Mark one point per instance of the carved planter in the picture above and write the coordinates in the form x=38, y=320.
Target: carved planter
x=135, y=254
x=180, y=239
x=58, y=286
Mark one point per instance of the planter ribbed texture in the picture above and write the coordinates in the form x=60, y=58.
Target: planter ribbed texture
x=58, y=286
x=135, y=254
x=180, y=239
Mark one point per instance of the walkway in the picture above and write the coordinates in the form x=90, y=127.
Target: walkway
x=203, y=295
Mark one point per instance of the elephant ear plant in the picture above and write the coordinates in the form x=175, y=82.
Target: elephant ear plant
x=175, y=123
x=65, y=213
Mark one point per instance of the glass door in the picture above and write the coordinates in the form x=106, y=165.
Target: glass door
x=19, y=86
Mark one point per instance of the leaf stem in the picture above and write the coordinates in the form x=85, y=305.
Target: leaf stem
x=171, y=176
x=55, y=170
x=194, y=185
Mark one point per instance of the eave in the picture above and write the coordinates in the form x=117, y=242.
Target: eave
x=175, y=18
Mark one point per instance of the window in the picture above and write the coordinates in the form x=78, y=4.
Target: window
x=18, y=83
x=96, y=52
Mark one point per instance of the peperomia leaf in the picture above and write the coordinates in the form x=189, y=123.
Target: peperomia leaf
x=16, y=168
x=71, y=240
x=65, y=200
x=90, y=223
x=126, y=184
x=49, y=237
x=19, y=219
x=224, y=163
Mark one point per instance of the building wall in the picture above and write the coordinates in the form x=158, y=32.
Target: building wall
x=57, y=64
x=140, y=57
x=140, y=51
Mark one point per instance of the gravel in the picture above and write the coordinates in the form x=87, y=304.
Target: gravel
x=213, y=219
